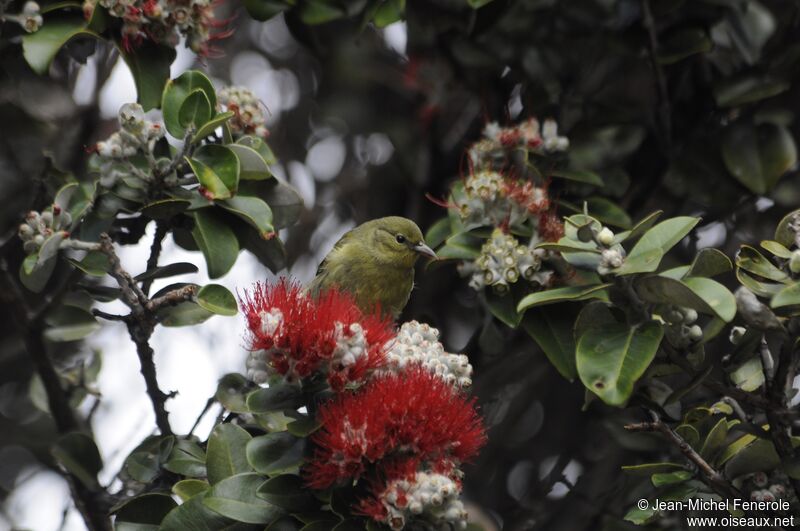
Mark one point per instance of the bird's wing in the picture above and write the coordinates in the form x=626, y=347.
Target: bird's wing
x=320, y=280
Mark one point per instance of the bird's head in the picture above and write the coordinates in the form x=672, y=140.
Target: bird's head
x=398, y=241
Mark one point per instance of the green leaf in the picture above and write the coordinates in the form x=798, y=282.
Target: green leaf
x=388, y=12
x=462, y=246
x=669, y=478
x=265, y=9
x=177, y=91
x=647, y=253
x=194, y=515
x=217, y=169
x=276, y=397
x=188, y=488
x=314, y=12
x=254, y=211
x=270, y=252
x=285, y=202
x=232, y=391
x=788, y=296
x=648, y=469
x=639, y=229
x=165, y=271
x=145, y=461
x=165, y=208
x=303, y=427
x=503, y=307
x=252, y=163
x=734, y=92
x=581, y=176
x=187, y=459
x=438, y=232
x=217, y=242
x=226, y=456
x=749, y=376
x=79, y=455
x=749, y=259
x=260, y=146
x=611, y=358
x=276, y=453
x=776, y=248
x=195, y=110
x=35, y=278
x=149, y=64
x=702, y=294
x=235, y=497
x=288, y=492
x=783, y=232
x=569, y=293
x=217, y=299
x=552, y=329
x=762, y=289
x=71, y=331
x=143, y=512
x=683, y=43
x=758, y=156
x=715, y=440
x=40, y=47
x=608, y=212
x=94, y=264
x=710, y=262
x=212, y=124
x=186, y=313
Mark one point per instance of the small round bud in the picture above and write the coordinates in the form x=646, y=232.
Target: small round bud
x=26, y=232
x=689, y=315
x=760, y=479
x=47, y=218
x=605, y=237
x=695, y=333
x=778, y=490
x=794, y=262
x=30, y=8
x=737, y=333
x=38, y=239
x=674, y=316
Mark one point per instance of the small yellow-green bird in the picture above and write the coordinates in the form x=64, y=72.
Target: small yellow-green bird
x=374, y=262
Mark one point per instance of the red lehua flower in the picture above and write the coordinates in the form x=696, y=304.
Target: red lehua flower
x=413, y=415
x=303, y=334
x=531, y=198
x=551, y=228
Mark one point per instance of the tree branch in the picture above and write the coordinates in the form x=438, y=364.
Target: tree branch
x=779, y=430
x=155, y=252
x=709, y=475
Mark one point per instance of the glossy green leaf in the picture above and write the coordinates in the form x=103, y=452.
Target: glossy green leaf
x=783, y=232
x=552, y=329
x=276, y=397
x=762, y=289
x=289, y=492
x=648, y=469
x=734, y=92
x=284, y=201
x=195, y=110
x=749, y=259
x=776, y=248
x=262, y=148
x=757, y=156
x=608, y=212
x=702, y=294
x=165, y=208
x=217, y=242
x=788, y=296
x=143, y=512
x=570, y=293
x=165, y=271
x=581, y=176
x=177, y=91
x=79, y=455
x=254, y=211
x=655, y=243
x=186, y=459
x=710, y=262
x=715, y=439
x=217, y=299
x=749, y=376
x=503, y=307
x=320, y=11
x=188, y=488
x=638, y=229
x=213, y=124
x=669, y=478
x=611, y=358
x=225, y=455
x=186, y=313
x=252, y=163
x=235, y=497
x=40, y=47
x=217, y=169
x=276, y=453
x=149, y=64
x=232, y=392
x=144, y=463
x=388, y=12
x=194, y=515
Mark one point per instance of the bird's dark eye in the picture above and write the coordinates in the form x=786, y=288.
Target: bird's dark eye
x=400, y=238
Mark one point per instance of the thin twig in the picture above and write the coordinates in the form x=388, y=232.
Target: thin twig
x=155, y=252
x=709, y=475
x=202, y=414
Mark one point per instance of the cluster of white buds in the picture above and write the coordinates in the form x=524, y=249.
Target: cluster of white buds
x=257, y=362
x=610, y=259
x=351, y=344
x=503, y=260
x=528, y=134
x=418, y=343
x=30, y=18
x=162, y=21
x=773, y=493
x=40, y=226
x=681, y=331
x=249, y=116
x=428, y=496
x=136, y=135
x=484, y=200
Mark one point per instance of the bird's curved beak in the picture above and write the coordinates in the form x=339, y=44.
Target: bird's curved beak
x=421, y=248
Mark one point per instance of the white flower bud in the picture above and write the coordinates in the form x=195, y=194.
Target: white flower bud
x=737, y=333
x=695, y=333
x=689, y=315
x=605, y=237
